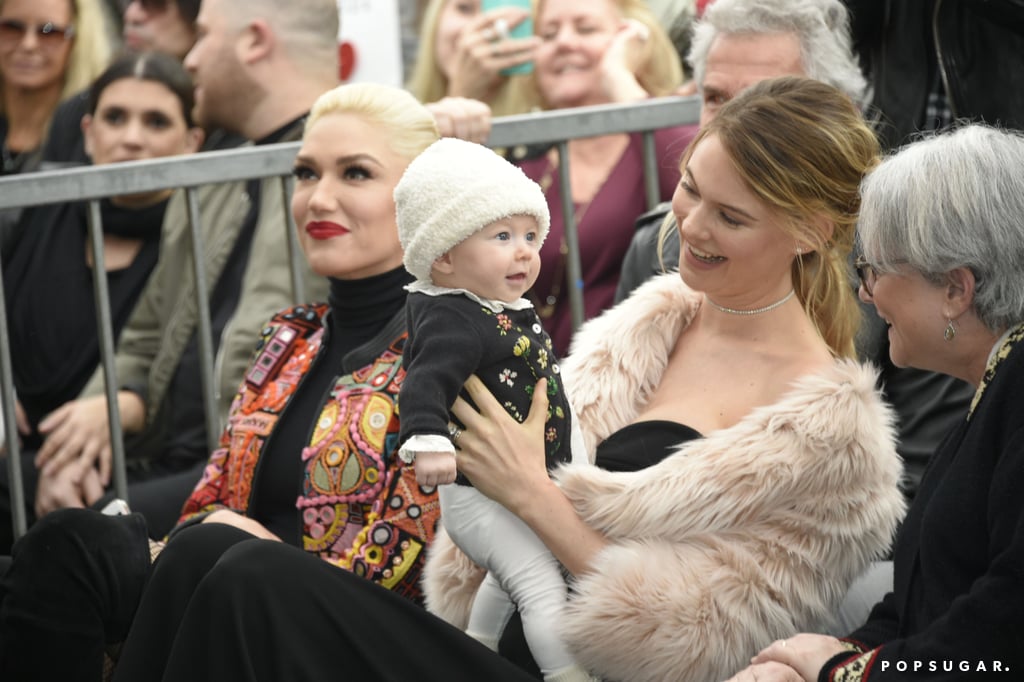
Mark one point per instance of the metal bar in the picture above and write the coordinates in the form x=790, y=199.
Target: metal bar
x=573, y=269
x=105, y=327
x=295, y=255
x=95, y=182
x=651, y=179
x=593, y=121
x=132, y=177
x=204, y=327
x=15, y=484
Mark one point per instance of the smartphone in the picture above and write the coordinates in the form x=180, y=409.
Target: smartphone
x=523, y=29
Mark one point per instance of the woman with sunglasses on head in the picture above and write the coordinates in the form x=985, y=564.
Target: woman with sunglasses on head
x=309, y=454
x=942, y=241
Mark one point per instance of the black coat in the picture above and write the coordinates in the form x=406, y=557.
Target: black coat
x=958, y=592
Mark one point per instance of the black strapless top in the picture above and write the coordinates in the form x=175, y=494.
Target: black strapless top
x=642, y=444
x=631, y=448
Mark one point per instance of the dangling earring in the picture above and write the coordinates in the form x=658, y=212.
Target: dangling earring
x=950, y=332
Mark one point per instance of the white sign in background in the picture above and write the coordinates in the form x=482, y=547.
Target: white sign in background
x=370, y=41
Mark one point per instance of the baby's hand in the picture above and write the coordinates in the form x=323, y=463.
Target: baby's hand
x=435, y=468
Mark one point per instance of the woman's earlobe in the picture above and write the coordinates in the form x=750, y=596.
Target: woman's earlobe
x=960, y=287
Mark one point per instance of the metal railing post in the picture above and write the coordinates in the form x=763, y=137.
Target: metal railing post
x=295, y=255
x=15, y=483
x=105, y=329
x=573, y=267
x=204, y=329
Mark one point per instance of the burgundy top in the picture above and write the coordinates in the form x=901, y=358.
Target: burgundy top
x=605, y=230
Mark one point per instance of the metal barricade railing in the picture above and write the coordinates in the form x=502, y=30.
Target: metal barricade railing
x=189, y=173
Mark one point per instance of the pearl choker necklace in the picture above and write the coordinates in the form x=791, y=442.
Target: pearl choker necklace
x=755, y=311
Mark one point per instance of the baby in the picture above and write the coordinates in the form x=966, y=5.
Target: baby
x=472, y=225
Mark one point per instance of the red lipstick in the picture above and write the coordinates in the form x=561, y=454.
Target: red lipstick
x=325, y=230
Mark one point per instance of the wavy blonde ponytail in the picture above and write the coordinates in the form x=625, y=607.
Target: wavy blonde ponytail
x=803, y=147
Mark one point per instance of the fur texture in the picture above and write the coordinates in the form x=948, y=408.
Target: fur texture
x=750, y=534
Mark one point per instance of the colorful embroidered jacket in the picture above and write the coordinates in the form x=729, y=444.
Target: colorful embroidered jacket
x=361, y=510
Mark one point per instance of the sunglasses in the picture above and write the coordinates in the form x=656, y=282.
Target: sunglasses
x=868, y=274
x=48, y=34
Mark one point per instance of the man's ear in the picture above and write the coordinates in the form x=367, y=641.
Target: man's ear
x=960, y=287
x=194, y=139
x=444, y=264
x=257, y=41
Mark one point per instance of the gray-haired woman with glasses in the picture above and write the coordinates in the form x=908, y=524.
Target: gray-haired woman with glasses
x=942, y=240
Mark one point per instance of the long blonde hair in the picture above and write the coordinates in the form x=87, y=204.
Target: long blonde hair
x=803, y=147
x=94, y=48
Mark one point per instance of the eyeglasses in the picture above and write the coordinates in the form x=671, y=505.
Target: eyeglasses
x=48, y=34
x=868, y=274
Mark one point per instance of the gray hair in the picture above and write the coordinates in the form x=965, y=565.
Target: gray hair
x=821, y=26
x=953, y=200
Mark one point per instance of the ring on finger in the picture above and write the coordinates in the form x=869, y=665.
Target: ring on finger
x=454, y=431
x=500, y=28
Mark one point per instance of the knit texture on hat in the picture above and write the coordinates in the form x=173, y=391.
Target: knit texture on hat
x=453, y=189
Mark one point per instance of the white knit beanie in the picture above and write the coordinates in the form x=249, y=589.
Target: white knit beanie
x=453, y=189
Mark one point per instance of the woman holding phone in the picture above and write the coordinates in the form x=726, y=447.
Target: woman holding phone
x=477, y=49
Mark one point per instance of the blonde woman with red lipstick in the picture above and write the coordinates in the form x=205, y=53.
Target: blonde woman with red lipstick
x=308, y=458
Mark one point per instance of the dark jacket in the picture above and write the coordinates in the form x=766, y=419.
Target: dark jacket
x=976, y=45
x=958, y=593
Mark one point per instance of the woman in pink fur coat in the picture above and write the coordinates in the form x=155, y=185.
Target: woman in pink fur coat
x=746, y=469
x=753, y=527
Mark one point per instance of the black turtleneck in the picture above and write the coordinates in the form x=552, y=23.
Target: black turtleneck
x=359, y=311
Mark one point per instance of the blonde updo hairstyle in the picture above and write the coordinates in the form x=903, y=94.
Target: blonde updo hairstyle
x=803, y=147
x=411, y=127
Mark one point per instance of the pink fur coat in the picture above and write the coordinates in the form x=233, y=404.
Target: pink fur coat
x=750, y=534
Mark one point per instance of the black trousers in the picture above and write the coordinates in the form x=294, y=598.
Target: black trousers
x=71, y=589
x=268, y=611
x=158, y=495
